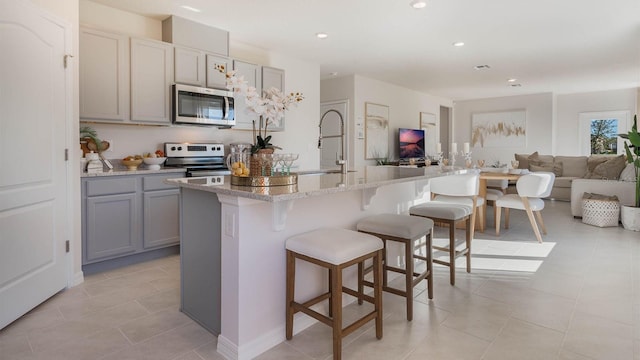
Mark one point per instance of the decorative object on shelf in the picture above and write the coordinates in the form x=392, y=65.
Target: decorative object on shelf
x=630, y=215
x=132, y=162
x=270, y=107
x=89, y=141
x=94, y=164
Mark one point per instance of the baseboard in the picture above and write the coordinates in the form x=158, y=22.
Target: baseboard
x=78, y=278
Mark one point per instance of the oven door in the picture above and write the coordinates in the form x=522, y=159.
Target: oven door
x=202, y=106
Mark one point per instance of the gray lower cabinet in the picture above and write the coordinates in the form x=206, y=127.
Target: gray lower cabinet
x=128, y=215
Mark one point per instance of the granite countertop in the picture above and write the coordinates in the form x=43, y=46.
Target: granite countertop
x=119, y=169
x=312, y=183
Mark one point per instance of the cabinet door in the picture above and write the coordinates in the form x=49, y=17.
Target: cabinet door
x=161, y=218
x=111, y=224
x=251, y=73
x=104, y=76
x=272, y=77
x=151, y=79
x=215, y=78
x=189, y=66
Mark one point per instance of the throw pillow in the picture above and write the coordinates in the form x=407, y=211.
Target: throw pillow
x=628, y=174
x=592, y=162
x=523, y=159
x=609, y=169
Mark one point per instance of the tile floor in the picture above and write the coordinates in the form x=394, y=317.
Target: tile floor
x=577, y=296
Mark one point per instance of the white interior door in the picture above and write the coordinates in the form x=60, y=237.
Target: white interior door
x=331, y=126
x=33, y=110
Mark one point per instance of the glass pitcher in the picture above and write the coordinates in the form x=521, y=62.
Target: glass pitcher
x=238, y=159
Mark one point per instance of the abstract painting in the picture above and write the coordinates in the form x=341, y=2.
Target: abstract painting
x=376, y=141
x=499, y=129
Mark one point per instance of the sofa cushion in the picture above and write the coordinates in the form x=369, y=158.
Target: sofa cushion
x=564, y=181
x=554, y=167
x=609, y=169
x=574, y=166
x=628, y=174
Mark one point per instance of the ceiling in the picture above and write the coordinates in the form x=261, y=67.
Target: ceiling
x=560, y=46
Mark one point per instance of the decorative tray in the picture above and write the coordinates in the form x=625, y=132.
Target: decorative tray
x=263, y=181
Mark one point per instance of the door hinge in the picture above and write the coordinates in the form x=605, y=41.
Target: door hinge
x=66, y=59
x=66, y=246
x=66, y=154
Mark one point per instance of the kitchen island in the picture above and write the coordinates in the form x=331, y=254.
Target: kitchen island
x=232, y=244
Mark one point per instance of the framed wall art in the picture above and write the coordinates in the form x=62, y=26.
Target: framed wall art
x=429, y=124
x=499, y=129
x=376, y=131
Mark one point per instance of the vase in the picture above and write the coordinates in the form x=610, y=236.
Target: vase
x=630, y=217
x=257, y=163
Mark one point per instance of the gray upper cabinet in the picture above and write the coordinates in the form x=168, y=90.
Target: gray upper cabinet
x=252, y=74
x=273, y=77
x=215, y=78
x=189, y=66
x=104, y=76
x=151, y=79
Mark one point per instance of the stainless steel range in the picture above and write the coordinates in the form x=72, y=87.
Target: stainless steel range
x=200, y=159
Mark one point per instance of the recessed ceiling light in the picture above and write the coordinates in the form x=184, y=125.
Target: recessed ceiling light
x=458, y=44
x=515, y=85
x=187, y=7
x=322, y=35
x=418, y=4
x=482, y=67
x=512, y=80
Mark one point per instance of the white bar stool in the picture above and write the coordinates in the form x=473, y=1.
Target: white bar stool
x=335, y=250
x=406, y=230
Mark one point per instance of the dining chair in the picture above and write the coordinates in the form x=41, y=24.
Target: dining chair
x=531, y=189
x=495, y=190
x=454, y=199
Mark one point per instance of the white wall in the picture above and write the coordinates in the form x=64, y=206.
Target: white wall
x=539, y=116
x=405, y=106
x=569, y=107
x=552, y=120
x=342, y=88
x=301, y=121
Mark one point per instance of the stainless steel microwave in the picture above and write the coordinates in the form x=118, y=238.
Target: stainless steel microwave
x=202, y=106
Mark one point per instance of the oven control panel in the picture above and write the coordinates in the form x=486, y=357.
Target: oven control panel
x=194, y=149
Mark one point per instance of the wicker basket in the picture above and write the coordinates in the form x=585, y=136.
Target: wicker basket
x=600, y=210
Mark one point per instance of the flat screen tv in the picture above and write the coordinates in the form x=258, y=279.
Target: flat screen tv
x=411, y=143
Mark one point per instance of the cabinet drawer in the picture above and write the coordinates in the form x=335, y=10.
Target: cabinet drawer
x=114, y=185
x=156, y=182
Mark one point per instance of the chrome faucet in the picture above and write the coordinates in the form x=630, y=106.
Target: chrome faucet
x=340, y=160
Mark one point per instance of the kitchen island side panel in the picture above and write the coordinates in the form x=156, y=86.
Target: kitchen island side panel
x=200, y=257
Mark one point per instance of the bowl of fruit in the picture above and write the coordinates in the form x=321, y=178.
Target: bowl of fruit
x=132, y=162
x=154, y=160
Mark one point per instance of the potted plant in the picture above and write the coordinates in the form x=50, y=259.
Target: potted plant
x=630, y=215
x=89, y=135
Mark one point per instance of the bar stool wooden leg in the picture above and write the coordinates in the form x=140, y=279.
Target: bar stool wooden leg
x=377, y=289
x=408, y=277
x=291, y=272
x=336, y=302
x=468, y=242
x=452, y=252
x=429, y=244
x=360, y=282
x=331, y=282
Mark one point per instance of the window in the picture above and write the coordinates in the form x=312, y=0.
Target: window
x=598, y=132
x=604, y=136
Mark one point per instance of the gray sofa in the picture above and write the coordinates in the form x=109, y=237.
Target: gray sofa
x=575, y=175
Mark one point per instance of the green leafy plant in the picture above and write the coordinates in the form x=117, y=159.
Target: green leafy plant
x=262, y=143
x=633, y=153
x=87, y=132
